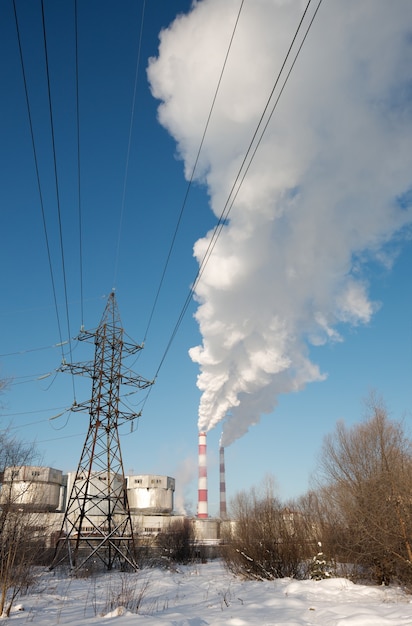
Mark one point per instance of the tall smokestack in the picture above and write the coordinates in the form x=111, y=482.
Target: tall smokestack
x=202, y=493
x=222, y=490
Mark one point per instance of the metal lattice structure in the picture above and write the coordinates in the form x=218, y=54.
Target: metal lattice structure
x=97, y=525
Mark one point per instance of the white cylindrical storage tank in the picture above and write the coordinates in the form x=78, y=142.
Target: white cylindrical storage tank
x=150, y=493
x=32, y=487
x=102, y=489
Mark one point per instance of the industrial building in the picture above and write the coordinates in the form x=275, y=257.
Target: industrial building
x=45, y=491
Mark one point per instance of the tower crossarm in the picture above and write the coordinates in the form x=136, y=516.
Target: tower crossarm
x=86, y=335
x=78, y=368
x=138, y=381
x=132, y=348
x=127, y=417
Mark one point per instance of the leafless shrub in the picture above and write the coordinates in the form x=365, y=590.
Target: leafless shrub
x=266, y=540
x=364, y=498
x=177, y=542
x=21, y=535
x=124, y=593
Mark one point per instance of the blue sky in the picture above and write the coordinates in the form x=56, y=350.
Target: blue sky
x=305, y=305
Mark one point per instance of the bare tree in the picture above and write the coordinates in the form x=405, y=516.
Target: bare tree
x=366, y=477
x=13, y=452
x=266, y=540
x=19, y=527
x=4, y=383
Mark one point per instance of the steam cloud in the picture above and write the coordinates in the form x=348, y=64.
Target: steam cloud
x=184, y=473
x=329, y=189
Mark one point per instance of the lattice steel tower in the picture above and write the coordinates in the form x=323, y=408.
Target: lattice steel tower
x=97, y=525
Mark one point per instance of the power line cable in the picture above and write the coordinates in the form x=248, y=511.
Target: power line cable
x=189, y=185
x=241, y=177
x=37, y=441
x=79, y=200
x=30, y=377
x=224, y=213
x=42, y=421
x=18, y=352
x=56, y=408
x=117, y=253
x=127, y=161
x=36, y=165
x=229, y=203
x=231, y=196
x=57, y=188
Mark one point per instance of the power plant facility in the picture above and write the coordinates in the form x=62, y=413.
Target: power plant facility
x=150, y=497
x=46, y=492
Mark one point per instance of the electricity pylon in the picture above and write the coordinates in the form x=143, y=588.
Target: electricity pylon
x=97, y=524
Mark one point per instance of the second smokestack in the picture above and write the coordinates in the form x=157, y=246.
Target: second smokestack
x=222, y=490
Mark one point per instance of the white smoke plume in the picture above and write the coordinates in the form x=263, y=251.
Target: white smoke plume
x=185, y=473
x=328, y=191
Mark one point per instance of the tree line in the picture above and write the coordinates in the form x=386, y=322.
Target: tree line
x=358, y=516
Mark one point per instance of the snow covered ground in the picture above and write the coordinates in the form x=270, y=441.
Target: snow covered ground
x=203, y=595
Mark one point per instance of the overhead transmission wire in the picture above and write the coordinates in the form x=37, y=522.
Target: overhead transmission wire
x=79, y=185
x=56, y=408
x=62, y=343
x=191, y=177
x=123, y=201
x=240, y=177
x=56, y=181
x=189, y=185
x=18, y=352
x=29, y=378
x=37, y=441
x=43, y=421
x=128, y=159
x=36, y=165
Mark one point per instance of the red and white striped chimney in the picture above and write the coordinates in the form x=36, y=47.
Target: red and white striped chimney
x=202, y=492
x=222, y=490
